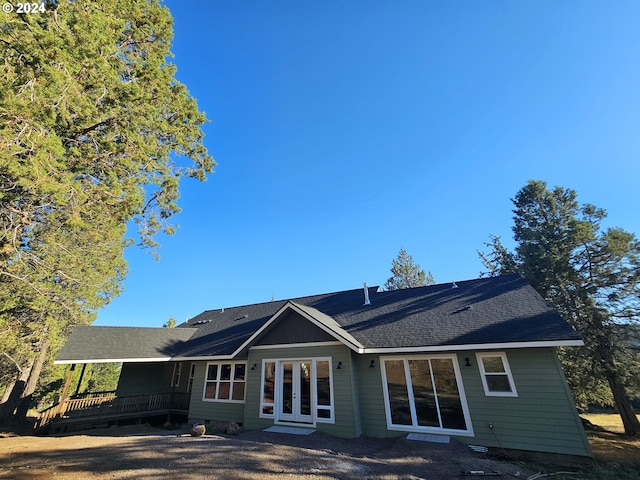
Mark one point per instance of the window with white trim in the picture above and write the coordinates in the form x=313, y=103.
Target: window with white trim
x=324, y=391
x=192, y=374
x=267, y=403
x=496, y=374
x=177, y=371
x=425, y=393
x=225, y=382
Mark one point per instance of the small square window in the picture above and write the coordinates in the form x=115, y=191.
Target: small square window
x=496, y=375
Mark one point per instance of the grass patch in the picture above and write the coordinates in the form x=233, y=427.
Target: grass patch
x=615, y=455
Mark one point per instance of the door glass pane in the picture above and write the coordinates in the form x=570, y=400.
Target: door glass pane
x=448, y=395
x=287, y=388
x=323, y=384
x=305, y=388
x=398, y=396
x=425, y=401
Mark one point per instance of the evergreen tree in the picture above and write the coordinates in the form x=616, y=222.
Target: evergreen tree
x=407, y=274
x=589, y=274
x=171, y=323
x=95, y=131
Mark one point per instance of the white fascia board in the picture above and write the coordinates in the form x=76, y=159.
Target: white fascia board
x=478, y=346
x=209, y=358
x=112, y=360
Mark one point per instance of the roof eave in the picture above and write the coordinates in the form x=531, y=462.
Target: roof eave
x=474, y=346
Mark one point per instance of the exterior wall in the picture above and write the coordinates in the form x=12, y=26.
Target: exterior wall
x=345, y=411
x=139, y=378
x=373, y=418
x=541, y=418
x=211, y=412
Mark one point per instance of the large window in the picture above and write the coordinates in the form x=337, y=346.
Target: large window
x=425, y=394
x=496, y=375
x=225, y=382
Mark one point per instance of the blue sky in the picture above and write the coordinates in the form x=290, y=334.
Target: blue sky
x=344, y=131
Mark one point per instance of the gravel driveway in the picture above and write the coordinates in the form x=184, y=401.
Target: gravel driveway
x=146, y=453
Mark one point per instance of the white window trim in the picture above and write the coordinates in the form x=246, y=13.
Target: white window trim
x=331, y=406
x=177, y=373
x=410, y=428
x=507, y=372
x=192, y=374
x=275, y=388
x=232, y=381
x=314, y=388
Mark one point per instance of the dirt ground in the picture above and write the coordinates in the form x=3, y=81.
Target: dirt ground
x=145, y=453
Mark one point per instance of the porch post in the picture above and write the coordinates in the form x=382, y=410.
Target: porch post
x=65, y=389
x=84, y=367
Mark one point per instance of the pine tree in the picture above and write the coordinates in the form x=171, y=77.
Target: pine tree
x=407, y=274
x=95, y=131
x=589, y=274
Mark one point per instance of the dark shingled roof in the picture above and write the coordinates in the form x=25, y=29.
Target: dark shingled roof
x=493, y=310
x=118, y=343
x=486, y=311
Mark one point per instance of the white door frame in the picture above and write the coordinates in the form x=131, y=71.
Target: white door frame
x=295, y=414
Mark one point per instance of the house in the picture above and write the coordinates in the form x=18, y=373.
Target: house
x=473, y=360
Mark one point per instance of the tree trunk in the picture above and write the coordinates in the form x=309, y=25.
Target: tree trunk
x=623, y=405
x=7, y=408
x=7, y=391
x=32, y=382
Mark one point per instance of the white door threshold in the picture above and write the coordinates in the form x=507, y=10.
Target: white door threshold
x=289, y=430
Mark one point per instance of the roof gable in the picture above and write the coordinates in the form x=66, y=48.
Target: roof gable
x=321, y=321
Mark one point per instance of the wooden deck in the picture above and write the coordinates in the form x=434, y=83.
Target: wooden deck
x=107, y=407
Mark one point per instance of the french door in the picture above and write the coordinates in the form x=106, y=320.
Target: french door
x=295, y=391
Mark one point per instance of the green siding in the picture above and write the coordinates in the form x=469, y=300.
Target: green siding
x=345, y=424
x=206, y=411
x=139, y=378
x=373, y=417
x=541, y=418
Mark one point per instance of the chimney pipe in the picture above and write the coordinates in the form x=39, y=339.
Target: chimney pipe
x=366, y=295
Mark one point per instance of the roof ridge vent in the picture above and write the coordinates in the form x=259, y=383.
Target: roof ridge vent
x=366, y=295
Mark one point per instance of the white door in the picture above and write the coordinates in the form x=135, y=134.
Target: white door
x=295, y=391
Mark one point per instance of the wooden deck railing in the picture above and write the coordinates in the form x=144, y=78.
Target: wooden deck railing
x=110, y=405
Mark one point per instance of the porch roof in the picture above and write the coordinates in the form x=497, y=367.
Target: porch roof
x=117, y=344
